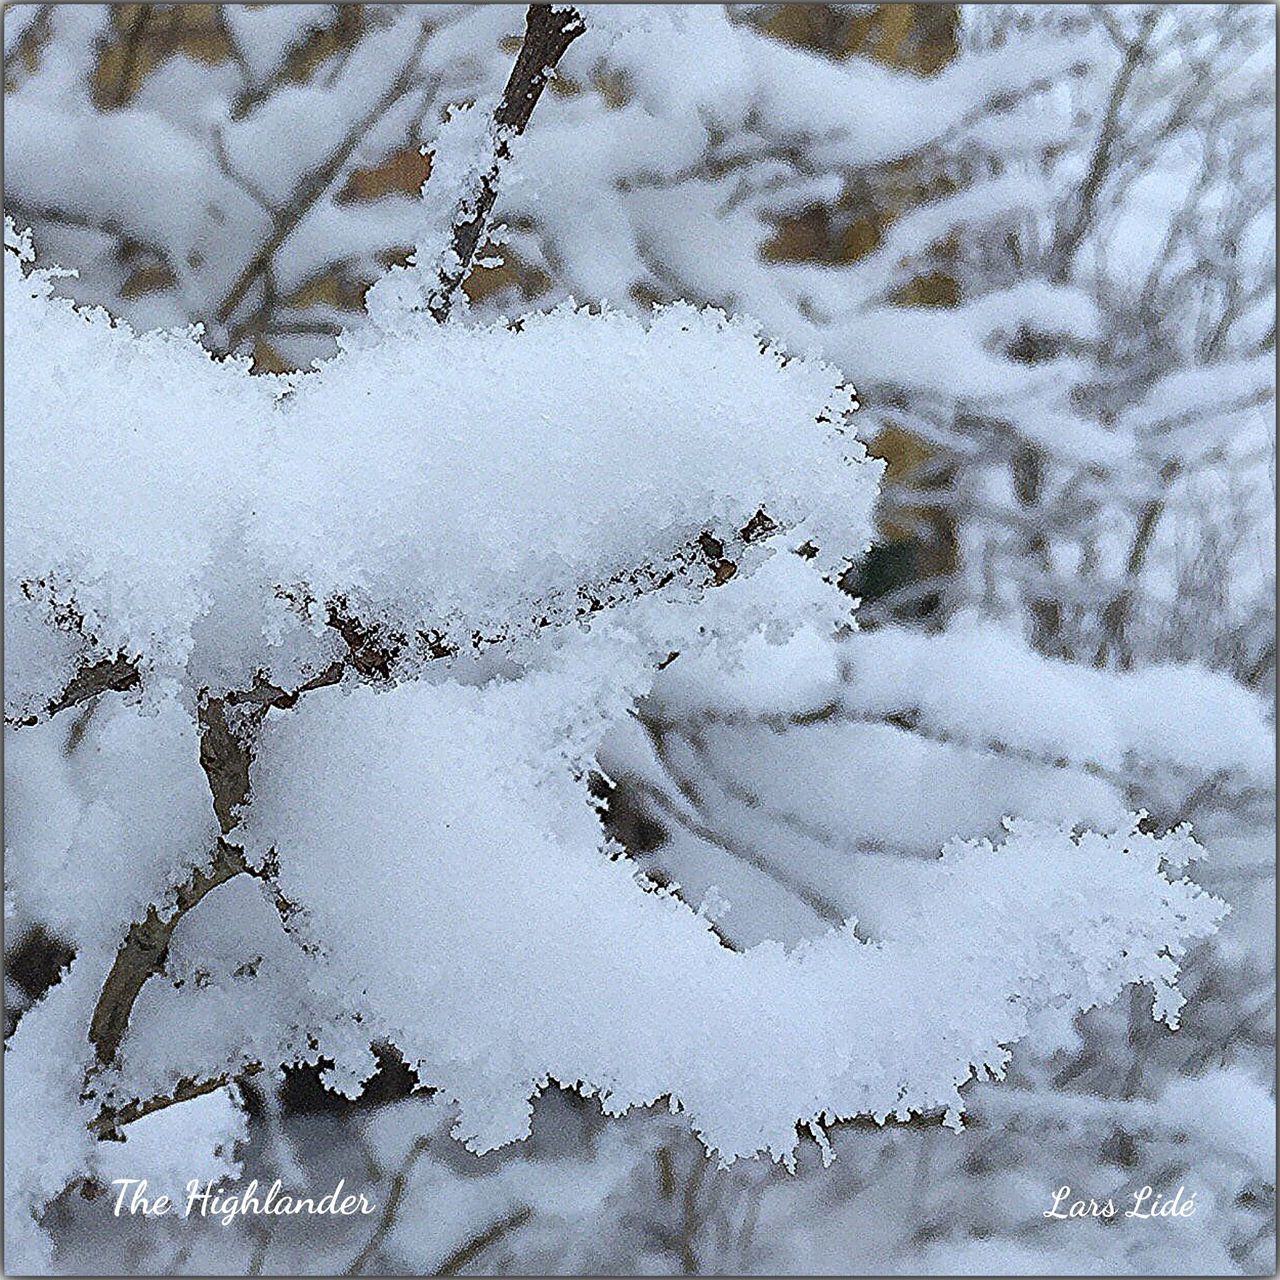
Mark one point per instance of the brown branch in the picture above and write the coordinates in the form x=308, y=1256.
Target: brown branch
x=225, y=755
x=107, y=1123
x=146, y=946
x=228, y=726
x=118, y=673
x=1028, y=469
x=548, y=33
x=315, y=184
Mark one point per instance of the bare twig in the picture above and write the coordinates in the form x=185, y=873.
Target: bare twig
x=395, y=1194
x=549, y=31
x=691, y=819
x=1115, y=617
x=478, y=1244
x=313, y=187
x=1028, y=468
x=1067, y=241
x=118, y=673
x=690, y=1223
x=108, y=1122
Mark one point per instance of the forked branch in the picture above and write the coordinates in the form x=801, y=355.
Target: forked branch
x=145, y=947
x=229, y=725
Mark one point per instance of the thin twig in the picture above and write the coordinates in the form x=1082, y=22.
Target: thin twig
x=548, y=33
x=108, y=1122
x=1071, y=233
x=313, y=187
x=478, y=1244
x=1115, y=617
x=395, y=1194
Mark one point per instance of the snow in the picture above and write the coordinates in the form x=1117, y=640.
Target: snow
x=747, y=1044
x=47, y=1142
x=18, y=18
x=478, y=482
x=121, y=457
x=266, y=33
x=174, y=1147
x=500, y=469
x=95, y=839
x=134, y=150
x=471, y=479
x=1230, y=1108
x=526, y=512
x=981, y=684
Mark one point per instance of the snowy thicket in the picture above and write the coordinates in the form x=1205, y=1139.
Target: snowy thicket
x=457, y=485
x=458, y=488
x=484, y=704
x=1092, y=193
